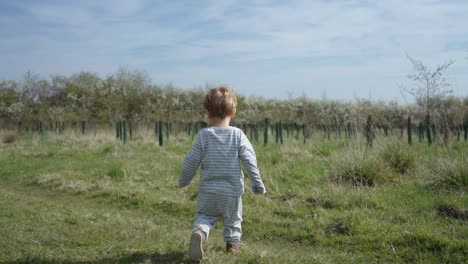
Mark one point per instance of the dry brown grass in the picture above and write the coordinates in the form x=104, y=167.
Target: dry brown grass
x=9, y=137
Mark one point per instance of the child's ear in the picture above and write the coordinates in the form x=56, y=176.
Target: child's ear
x=207, y=113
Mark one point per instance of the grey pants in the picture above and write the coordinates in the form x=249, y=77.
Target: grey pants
x=211, y=206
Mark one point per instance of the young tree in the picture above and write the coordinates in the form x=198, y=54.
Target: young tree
x=429, y=88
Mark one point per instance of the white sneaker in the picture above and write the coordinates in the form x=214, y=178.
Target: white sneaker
x=197, y=243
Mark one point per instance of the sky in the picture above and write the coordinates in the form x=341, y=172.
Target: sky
x=336, y=49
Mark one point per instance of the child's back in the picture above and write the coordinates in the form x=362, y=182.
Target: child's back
x=219, y=150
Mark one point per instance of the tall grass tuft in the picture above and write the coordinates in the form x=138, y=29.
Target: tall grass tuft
x=450, y=174
x=359, y=167
x=115, y=171
x=399, y=156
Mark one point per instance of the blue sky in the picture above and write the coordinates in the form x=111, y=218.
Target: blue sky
x=274, y=49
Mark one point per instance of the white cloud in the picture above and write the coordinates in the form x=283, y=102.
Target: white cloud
x=278, y=46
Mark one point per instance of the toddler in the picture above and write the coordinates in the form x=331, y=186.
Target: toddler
x=220, y=149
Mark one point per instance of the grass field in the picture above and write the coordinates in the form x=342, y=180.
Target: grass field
x=90, y=199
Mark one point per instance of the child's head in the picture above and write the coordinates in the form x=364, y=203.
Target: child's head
x=220, y=102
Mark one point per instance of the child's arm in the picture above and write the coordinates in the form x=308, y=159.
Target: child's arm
x=191, y=162
x=249, y=159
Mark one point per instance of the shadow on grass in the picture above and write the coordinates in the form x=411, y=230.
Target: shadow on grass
x=138, y=257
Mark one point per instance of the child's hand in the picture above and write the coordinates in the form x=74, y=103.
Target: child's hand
x=258, y=190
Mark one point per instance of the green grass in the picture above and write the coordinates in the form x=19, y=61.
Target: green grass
x=91, y=199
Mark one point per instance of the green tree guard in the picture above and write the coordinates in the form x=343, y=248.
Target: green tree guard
x=465, y=129
x=410, y=131
x=124, y=125
x=435, y=133
x=41, y=128
x=369, y=131
x=130, y=129
x=348, y=130
x=265, y=131
x=251, y=132
x=276, y=133
x=122, y=129
x=117, y=130
x=304, y=132
x=168, y=128
x=156, y=129
x=160, y=133
x=256, y=132
x=428, y=130
x=420, y=132
x=280, y=130
x=296, y=126
x=83, y=127
x=466, y=133
x=194, y=129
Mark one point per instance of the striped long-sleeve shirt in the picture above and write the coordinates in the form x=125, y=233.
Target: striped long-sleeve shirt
x=220, y=150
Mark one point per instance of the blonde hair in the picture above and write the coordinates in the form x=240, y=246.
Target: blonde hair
x=220, y=102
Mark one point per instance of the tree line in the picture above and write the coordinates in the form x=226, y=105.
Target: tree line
x=86, y=98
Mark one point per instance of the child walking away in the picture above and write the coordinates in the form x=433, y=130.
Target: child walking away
x=219, y=150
